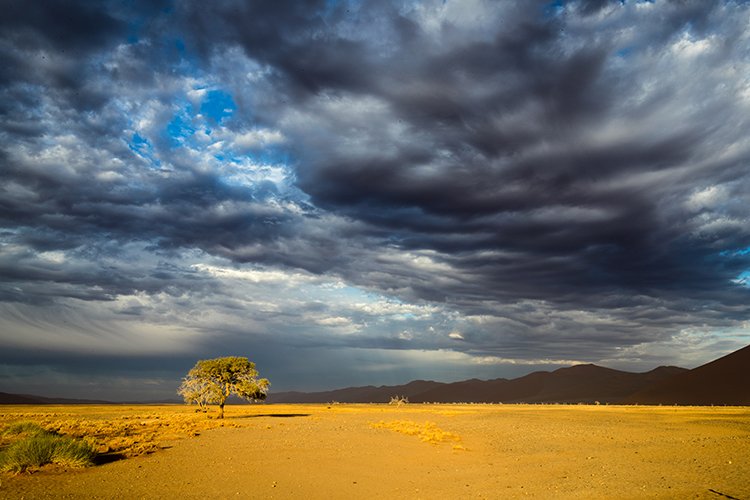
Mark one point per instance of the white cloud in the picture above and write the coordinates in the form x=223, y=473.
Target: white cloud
x=688, y=47
x=706, y=198
x=396, y=310
x=257, y=138
x=334, y=321
x=258, y=275
x=496, y=360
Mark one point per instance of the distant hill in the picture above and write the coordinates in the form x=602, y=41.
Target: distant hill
x=577, y=384
x=28, y=399
x=725, y=381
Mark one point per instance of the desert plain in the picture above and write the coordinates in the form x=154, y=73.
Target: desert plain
x=383, y=451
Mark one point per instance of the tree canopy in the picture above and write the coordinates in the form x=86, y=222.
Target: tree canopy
x=212, y=381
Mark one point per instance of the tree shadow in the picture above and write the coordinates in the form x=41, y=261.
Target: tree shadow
x=108, y=458
x=113, y=456
x=274, y=415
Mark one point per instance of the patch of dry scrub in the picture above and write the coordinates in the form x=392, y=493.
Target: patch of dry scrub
x=428, y=432
x=26, y=445
x=128, y=434
x=131, y=436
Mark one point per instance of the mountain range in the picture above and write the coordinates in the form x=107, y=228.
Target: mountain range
x=29, y=399
x=725, y=381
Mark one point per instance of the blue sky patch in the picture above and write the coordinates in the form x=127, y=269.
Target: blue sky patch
x=180, y=128
x=218, y=105
x=143, y=148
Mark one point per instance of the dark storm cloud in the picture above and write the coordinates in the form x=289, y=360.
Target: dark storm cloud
x=495, y=149
x=563, y=177
x=47, y=45
x=55, y=198
x=293, y=37
x=59, y=25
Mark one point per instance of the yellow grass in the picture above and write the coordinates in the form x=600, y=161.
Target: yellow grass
x=426, y=431
x=126, y=430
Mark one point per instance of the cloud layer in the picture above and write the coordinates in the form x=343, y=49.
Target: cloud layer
x=370, y=191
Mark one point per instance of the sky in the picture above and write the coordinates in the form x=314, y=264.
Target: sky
x=369, y=192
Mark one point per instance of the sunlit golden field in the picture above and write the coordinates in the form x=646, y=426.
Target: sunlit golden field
x=114, y=430
x=382, y=451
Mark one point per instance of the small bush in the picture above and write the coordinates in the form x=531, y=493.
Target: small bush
x=398, y=400
x=74, y=453
x=17, y=428
x=33, y=451
x=36, y=450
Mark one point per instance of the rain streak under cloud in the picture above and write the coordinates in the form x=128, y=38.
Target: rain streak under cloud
x=369, y=192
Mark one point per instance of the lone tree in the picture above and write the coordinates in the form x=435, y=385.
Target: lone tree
x=211, y=381
x=197, y=391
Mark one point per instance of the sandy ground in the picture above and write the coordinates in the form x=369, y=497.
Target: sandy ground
x=464, y=451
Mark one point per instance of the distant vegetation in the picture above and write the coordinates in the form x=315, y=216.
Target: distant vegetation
x=398, y=400
x=212, y=381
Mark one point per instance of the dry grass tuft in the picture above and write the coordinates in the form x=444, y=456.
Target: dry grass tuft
x=22, y=428
x=32, y=446
x=427, y=431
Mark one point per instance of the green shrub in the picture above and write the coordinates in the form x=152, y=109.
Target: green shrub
x=73, y=453
x=33, y=451
x=44, y=448
x=30, y=428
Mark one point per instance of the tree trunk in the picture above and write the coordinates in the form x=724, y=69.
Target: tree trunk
x=223, y=400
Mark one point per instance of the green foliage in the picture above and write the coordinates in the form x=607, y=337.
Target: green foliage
x=39, y=447
x=199, y=391
x=212, y=381
x=73, y=452
x=16, y=428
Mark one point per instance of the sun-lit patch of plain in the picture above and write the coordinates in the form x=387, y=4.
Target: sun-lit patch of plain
x=521, y=450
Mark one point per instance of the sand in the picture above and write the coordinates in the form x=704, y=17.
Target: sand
x=429, y=451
